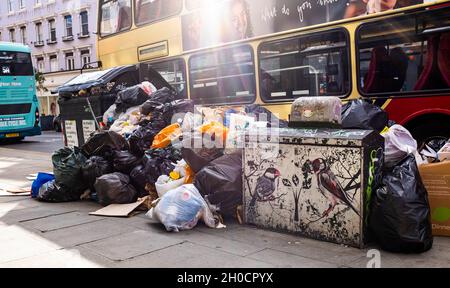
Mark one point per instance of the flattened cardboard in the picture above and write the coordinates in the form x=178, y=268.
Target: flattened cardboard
x=16, y=192
x=119, y=210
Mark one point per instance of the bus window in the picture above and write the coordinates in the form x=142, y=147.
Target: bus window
x=115, y=16
x=404, y=54
x=152, y=10
x=225, y=76
x=307, y=65
x=174, y=72
x=15, y=64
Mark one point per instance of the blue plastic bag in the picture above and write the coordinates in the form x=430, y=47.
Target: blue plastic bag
x=41, y=179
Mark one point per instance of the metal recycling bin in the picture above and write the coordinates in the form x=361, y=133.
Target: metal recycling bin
x=313, y=182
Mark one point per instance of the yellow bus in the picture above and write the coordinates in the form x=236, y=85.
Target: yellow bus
x=270, y=52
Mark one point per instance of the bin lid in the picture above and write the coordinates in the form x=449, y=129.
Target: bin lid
x=94, y=79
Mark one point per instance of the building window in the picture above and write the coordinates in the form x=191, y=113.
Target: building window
x=10, y=6
x=37, y=3
x=39, y=32
x=68, y=24
x=85, y=58
x=12, y=35
x=84, y=23
x=21, y=4
x=53, y=63
x=70, y=61
x=40, y=64
x=23, y=35
x=52, y=30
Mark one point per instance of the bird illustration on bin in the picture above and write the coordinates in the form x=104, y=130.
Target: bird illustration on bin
x=265, y=186
x=329, y=185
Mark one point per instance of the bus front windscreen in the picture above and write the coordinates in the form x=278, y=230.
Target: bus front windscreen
x=15, y=64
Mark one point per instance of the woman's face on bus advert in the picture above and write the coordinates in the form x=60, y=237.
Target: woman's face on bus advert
x=239, y=19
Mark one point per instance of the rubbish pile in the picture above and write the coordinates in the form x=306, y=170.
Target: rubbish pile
x=156, y=145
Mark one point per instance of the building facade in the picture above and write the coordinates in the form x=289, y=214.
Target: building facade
x=61, y=34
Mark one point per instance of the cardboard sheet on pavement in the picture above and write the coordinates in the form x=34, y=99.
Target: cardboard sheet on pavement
x=119, y=210
x=16, y=192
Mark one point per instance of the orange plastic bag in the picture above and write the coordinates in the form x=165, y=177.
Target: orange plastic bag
x=189, y=175
x=165, y=137
x=214, y=128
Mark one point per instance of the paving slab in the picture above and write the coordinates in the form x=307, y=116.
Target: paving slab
x=56, y=222
x=130, y=245
x=287, y=260
x=88, y=232
x=193, y=256
x=23, y=215
x=18, y=243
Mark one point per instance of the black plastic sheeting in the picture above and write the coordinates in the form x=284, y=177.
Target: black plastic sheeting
x=130, y=97
x=125, y=161
x=95, y=167
x=67, y=164
x=115, y=188
x=400, y=214
x=360, y=114
x=104, y=144
x=220, y=183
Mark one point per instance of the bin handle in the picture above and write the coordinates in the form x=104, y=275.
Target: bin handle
x=92, y=112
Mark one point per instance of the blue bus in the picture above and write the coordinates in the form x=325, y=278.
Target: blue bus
x=19, y=105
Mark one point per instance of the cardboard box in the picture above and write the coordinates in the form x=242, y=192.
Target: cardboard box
x=436, y=178
x=444, y=153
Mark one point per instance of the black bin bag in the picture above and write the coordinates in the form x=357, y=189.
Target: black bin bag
x=220, y=183
x=104, y=144
x=125, y=161
x=400, y=214
x=115, y=188
x=67, y=164
x=361, y=114
x=130, y=97
x=93, y=168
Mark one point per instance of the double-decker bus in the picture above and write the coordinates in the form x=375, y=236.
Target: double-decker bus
x=395, y=53
x=19, y=106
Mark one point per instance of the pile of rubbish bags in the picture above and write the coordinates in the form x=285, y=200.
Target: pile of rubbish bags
x=156, y=145
x=148, y=148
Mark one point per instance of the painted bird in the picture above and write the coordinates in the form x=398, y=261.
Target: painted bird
x=328, y=183
x=265, y=186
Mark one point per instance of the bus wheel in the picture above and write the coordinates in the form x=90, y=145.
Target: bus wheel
x=431, y=133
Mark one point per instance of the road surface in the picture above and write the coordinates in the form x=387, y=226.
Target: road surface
x=48, y=142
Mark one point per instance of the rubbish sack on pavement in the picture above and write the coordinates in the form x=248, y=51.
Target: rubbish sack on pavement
x=41, y=179
x=95, y=167
x=162, y=96
x=400, y=215
x=67, y=164
x=399, y=143
x=181, y=209
x=160, y=162
x=130, y=97
x=53, y=193
x=360, y=114
x=199, y=158
x=263, y=114
x=125, y=161
x=103, y=144
x=220, y=182
x=139, y=180
x=166, y=183
x=115, y=188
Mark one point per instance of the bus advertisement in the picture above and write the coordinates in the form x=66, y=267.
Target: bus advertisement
x=19, y=112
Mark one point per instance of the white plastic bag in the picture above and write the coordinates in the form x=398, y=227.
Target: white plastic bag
x=164, y=184
x=399, y=143
x=181, y=208
x=110, y=114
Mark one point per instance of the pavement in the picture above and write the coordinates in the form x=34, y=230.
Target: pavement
x=35, y=234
